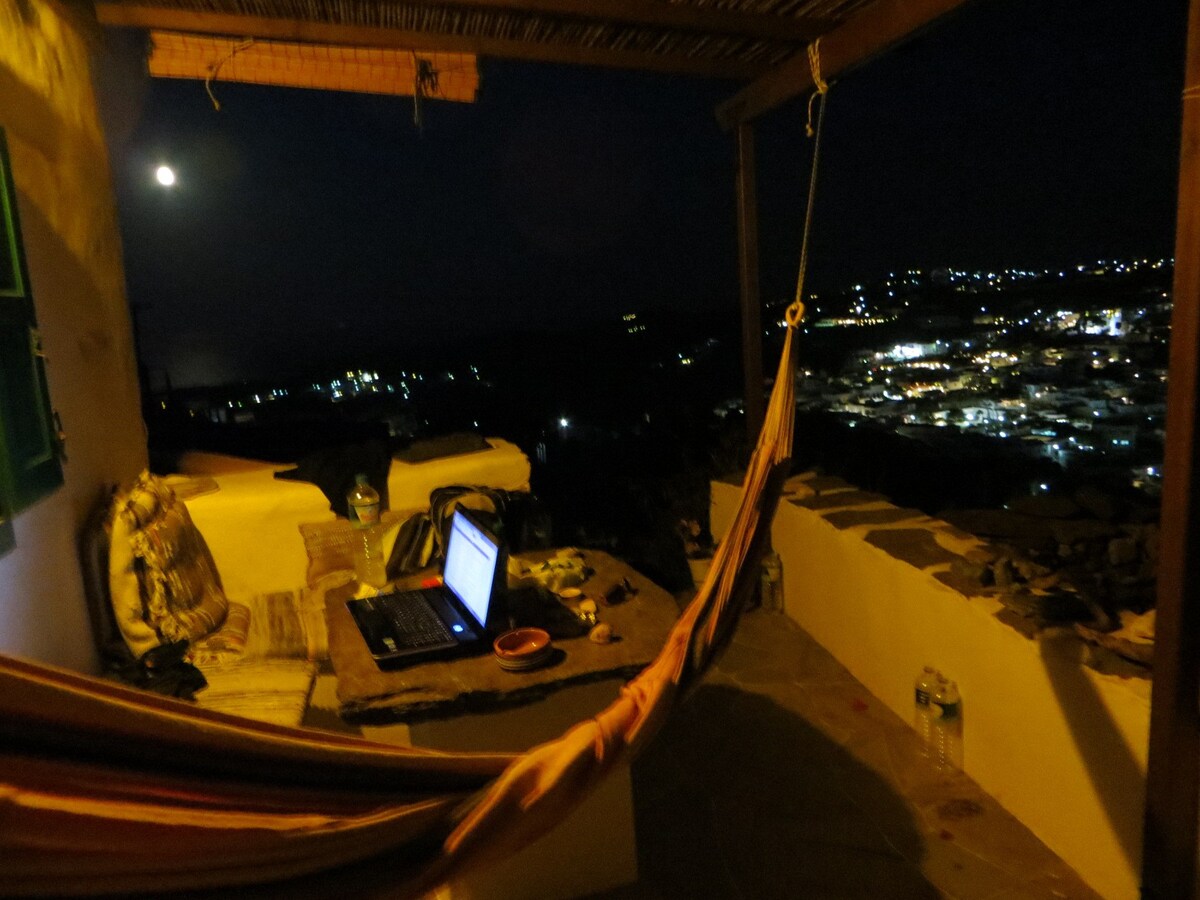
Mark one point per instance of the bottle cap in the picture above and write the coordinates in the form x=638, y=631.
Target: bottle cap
x=360, y=478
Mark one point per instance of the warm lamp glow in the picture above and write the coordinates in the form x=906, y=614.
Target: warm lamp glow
x=165, y=175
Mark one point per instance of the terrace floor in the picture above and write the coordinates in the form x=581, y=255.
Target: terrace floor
x=783, y=777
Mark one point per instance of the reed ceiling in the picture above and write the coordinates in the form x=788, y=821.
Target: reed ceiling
x=738, y=39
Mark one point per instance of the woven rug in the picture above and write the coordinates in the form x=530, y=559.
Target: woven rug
x=266, y=690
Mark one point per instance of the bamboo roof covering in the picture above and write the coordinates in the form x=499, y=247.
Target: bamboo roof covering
x=375, y=70
x=715, y=38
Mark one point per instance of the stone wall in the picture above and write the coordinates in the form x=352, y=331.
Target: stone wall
x=1061, y=745
x=72, y=245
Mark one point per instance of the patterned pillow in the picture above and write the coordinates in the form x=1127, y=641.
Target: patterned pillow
x=163, y=581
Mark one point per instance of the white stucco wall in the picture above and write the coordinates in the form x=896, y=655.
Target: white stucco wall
x=72, y=245
x=1060, y=746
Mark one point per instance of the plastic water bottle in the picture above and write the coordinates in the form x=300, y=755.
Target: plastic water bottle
x=947, y=728
x=772, y=582
x=362, y=502
x=923, y=712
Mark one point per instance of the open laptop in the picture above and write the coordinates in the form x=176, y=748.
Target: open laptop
x=449, y=620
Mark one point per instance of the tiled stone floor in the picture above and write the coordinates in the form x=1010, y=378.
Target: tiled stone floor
x=782, y=777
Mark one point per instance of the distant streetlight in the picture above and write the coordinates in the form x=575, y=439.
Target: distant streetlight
x=165, y=176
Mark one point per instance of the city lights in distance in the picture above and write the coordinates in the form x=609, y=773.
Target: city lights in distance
x=165, y=176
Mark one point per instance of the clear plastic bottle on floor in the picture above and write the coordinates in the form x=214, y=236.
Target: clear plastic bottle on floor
x=947, y=728
x=923, y=711
x=362, y=502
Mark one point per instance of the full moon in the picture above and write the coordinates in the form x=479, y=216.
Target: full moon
x=165, y=175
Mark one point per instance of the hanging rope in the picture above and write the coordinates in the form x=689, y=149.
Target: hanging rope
x=425, y=84
x=821, y=85
x=418, y=115
x=215, y=68
x=814, y=61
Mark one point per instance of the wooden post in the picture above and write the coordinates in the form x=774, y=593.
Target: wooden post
x=1173, y=776
x=752, y=336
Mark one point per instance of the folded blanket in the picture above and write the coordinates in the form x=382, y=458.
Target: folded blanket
x=280, y=625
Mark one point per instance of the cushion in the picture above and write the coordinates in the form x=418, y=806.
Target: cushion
x=163, y=582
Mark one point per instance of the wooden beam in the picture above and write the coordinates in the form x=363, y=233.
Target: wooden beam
x=271, y=28
x=876, y=28
x=658, y=14
x=1173, y=769
x=752, y=334
x=373, y=70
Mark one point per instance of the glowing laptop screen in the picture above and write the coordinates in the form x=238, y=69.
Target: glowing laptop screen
x=471, y=558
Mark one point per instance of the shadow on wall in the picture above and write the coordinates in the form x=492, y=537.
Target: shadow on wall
x=735, y=798
x=1115, y=773
x=90, y=368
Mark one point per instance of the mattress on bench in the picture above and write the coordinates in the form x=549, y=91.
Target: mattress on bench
x=252, y=521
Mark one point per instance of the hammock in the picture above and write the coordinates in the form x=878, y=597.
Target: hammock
x=104, y=789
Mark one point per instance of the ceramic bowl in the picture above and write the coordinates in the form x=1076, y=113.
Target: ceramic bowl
x=521, y=643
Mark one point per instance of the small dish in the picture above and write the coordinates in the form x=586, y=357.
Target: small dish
x=521, y=645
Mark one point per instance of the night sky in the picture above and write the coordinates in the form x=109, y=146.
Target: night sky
x=306, y=225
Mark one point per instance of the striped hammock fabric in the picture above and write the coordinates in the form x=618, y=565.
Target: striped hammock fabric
x=107, y=790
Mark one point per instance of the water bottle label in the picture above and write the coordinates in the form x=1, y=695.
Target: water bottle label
x=364, y=515
x=947, y=710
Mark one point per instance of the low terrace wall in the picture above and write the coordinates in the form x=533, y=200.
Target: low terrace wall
x=1058, y=744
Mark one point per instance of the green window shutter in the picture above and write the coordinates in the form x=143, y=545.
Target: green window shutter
x=29, y=446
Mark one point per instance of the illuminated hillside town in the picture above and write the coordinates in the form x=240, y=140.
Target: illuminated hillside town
x=1065, y=366
x=1076, y=378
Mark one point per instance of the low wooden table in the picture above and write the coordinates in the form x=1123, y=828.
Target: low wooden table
x=478, y=684
x=472, y=704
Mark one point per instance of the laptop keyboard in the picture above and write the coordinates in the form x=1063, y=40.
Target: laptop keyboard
x=416, y=625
